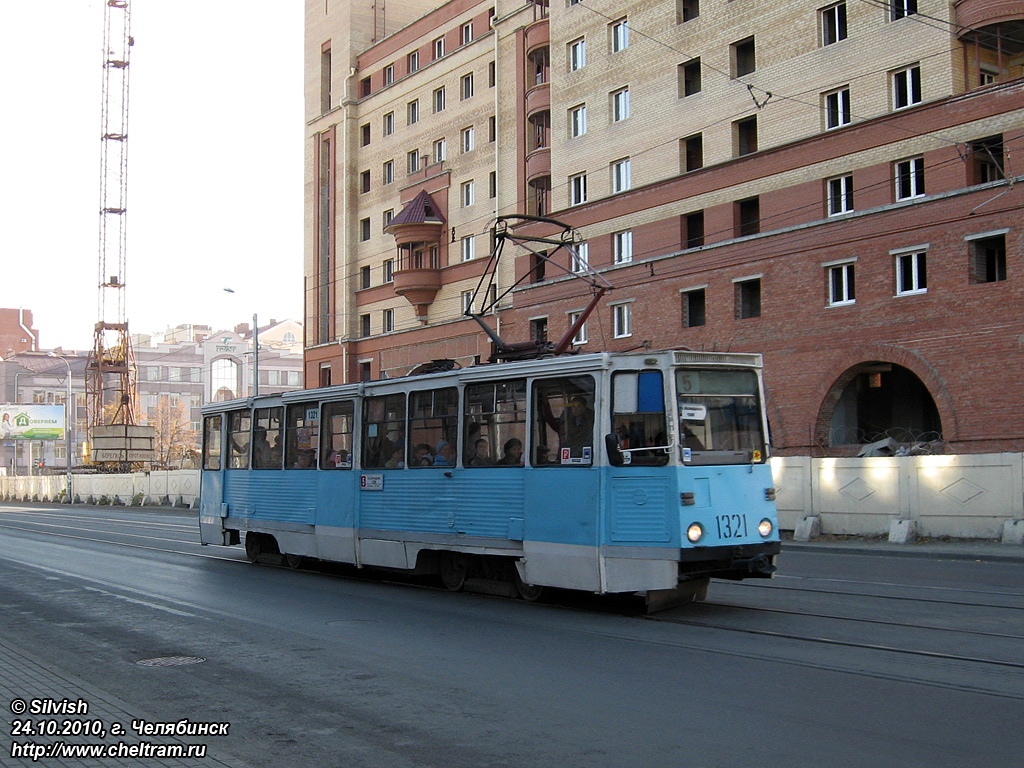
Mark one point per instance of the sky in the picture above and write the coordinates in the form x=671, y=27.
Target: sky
x=215, y=152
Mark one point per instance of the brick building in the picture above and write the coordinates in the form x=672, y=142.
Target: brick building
x=832, y=185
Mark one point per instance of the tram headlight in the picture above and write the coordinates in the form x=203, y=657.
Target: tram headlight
x=765, y=528
x=695, y=532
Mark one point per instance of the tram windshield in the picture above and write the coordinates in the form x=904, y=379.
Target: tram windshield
x=719, y=417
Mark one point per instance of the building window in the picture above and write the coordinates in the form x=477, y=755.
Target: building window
x=468, y=139
x=492, y=129
x=580, y=337
x=619, y=35
x=539, y=329
x=689, y=77
x=906, y=87
x=988, y=258
x=440, y=151
x=389, y=214
x=364, y=232
x=748, y=298
x=389, y=74
x=412, y=159
x=577, y=121
x=900, y=8
x=438, y=48
x=622, y=246
x=910, y=178
x=492, y=184
x=578, y=189
x=622, y=320
x=389, y=271
x=580, y=258
x=841, y=284
x=745, y=136
x=833, y=23
x=693, y=308
x=364, y=326
x=389, y=123
x=468, y=248
x=986, y=160
x=620, y=104
x=364, y=278
x=837, y=108
x=467, y=33
x=438, y=99
x=492, y=74
x=388, y=172
x=364, y=131
x=742, y=57
x=365, y=87
x=325, y=80
x=577, y=54
x=693, y=229
x=413, y=60
x=466, y=86
x=687, y=10
x=748, y=217
x=364, y=182
x=692, y=152
x=911, y=273
x=412, y=112
x=468, y=194
x=620, y=175
x=840, y=195
x=388, y=321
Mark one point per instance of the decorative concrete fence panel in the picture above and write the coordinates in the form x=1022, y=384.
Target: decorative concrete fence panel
x=792, y=488
x=860, y=496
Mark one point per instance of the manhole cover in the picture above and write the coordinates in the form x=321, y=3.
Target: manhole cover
x=170, y=661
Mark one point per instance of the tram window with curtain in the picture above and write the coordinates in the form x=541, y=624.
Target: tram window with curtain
x=211, y=442
x=495, y=424
x=239, y=425
x=383, y=430
x=337, y=419
x=638, y=417
x=301, y=430
x=266, y=438
x=563, y=429
x=433, y=428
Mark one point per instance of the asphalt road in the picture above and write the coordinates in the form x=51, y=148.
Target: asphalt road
x=842, y=660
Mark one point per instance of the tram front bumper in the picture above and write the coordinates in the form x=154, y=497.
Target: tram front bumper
x=742, y=561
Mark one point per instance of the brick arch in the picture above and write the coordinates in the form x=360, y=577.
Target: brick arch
x=845, y=367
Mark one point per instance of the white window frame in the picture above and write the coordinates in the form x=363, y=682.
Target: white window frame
x=389, y=270
x=580, y=258
x=468, y=248
x=841, y=279
x=466, y=86
x=412, y=157
x=389, y=74
x=577, y=121
x=577, y=54
x=837, y=108
x=468, y=138
x=581, y=335
x=414, y=61
x=388, y=172
x=899, y=9
x=439, y=100
x=412, y=112
x=913, y=169
x=440, y=150
x=622, y=320
x=387, y=321
x=438, y=48
x=619, y=35
x=621, y=175
x=620, y=104
x=578, y=189
x=467, y=33
x=466, y=298
x=839, y=194
x=917, y=258
x=622, y=246
x=908, y=82
x=389, y=123
x=834, y=23
x=468, y=193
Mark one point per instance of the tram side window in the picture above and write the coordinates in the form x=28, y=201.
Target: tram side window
x=433, y=428
x=239, y=424
x=301, y=430
x=211, y=442
x=383, y=430
x=638, y=417
x=266, y=439
x=337, y=435
x=563, y=429
x=720, y=417
x=496, y=424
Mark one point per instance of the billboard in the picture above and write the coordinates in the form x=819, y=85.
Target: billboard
x=31, y=422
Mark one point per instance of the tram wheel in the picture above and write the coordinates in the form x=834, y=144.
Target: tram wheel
x=294, y=561
x=453, y=567
x=531, y=593
x=253, y=546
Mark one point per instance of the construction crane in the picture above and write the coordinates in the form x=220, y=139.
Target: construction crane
x=111, y=373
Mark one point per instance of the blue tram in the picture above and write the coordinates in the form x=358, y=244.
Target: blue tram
x=611, y=473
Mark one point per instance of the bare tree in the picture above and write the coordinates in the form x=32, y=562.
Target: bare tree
x=175, y=440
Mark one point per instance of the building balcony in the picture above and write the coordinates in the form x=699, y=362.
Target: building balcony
x=418, y=286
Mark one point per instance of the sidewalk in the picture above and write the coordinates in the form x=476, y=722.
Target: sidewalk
x=981, y=550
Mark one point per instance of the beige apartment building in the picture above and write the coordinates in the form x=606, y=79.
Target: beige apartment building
x=830, y=184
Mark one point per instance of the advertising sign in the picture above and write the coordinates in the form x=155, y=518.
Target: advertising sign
x=31, y=422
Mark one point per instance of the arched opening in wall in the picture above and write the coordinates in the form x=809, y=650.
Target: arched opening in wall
x=883, y=400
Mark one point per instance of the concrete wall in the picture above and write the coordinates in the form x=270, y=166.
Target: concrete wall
x=963, y=496
x=180, y=487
